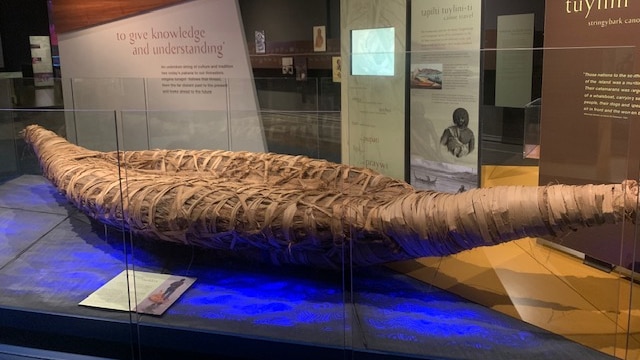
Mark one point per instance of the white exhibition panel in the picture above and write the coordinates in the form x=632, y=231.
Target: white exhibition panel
x=185, y=66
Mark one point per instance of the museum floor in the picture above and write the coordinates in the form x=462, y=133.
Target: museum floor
x=541, y=285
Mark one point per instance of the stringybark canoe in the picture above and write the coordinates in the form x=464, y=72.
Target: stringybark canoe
x=298, y=210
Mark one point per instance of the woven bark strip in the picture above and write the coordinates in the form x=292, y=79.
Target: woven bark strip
x=293, y=209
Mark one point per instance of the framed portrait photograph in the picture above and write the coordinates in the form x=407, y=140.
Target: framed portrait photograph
x=319, y=38
x=336, y=65
x=261, y=43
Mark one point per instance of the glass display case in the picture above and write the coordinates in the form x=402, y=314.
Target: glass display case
x=533, y=297
x=232, y=294
x=53, y=255
x=235, y=307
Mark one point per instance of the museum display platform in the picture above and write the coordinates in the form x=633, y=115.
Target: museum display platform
x=52, y=257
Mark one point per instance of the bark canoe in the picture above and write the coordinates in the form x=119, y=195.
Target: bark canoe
x=297, y=210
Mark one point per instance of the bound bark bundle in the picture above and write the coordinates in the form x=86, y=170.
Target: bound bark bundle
x=293, y=209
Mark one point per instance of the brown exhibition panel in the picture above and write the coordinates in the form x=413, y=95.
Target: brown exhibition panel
x=589, y=116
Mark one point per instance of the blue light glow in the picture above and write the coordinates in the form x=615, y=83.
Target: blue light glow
x=52, y=262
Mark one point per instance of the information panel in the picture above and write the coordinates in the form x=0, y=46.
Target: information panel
x=590, y=109
x=373, y=89
x=444, y=98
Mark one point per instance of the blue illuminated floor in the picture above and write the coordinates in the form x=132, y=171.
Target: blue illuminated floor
x=51, y=258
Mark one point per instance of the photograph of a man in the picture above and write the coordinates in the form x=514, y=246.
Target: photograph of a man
x=458, y=139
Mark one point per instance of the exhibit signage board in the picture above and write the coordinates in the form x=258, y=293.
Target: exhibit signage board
x=444, y=94
x=185, y=63
x=373, y=40
x=590, y=108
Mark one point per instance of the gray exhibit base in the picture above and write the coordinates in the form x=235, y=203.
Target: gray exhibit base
x=52, y=257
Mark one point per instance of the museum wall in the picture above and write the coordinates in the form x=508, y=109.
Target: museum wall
x=300, y=16
x=20, y=19
x=293, y=38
